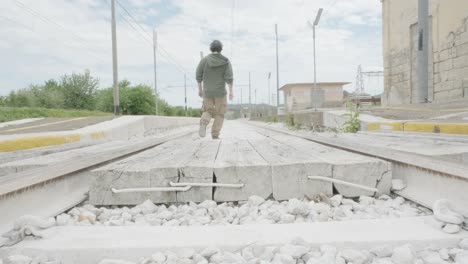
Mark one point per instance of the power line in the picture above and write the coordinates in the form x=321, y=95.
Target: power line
x=150, y=37
x=49, y=21
x=45, y=19
x=332, y=4
x=133, y=18
x=142, y=31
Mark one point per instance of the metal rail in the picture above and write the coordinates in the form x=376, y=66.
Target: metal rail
x=427, y=178
x=208, y=184
x=321, y=178
x=153, y=189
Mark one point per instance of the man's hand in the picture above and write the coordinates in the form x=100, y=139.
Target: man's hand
x=200, y=89
x=231, y=94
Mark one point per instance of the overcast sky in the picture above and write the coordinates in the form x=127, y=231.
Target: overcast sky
x=43, y=39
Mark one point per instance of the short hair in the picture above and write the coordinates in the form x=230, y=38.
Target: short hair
x=216, y=46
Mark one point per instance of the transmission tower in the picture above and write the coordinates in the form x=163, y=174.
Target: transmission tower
x=359, y=89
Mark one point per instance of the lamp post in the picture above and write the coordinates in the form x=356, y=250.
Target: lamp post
x=277, y=71
x=155, y=46
x=314, y=91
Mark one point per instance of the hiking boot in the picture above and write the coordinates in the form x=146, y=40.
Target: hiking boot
x=215, y=137
x=202, y=130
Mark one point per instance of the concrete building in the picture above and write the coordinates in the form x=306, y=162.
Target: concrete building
x=297, y=95
x=448, y=50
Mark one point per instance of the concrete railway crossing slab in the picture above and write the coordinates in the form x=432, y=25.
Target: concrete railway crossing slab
x=264, y=166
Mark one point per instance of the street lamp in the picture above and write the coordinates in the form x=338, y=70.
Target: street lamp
x=316, y=21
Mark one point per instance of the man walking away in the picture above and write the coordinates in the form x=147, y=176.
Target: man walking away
x=214, y=71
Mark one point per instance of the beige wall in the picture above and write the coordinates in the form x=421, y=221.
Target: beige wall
x=448, y=42
x=298, y=97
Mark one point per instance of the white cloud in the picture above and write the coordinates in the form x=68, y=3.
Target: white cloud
x=35, y=50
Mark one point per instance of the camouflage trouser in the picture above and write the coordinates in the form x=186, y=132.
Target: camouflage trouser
x=216, y=108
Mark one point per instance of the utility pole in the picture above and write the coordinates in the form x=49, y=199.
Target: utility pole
x=314, y=92
x=423, y=60
x=250, y=97
x=269, y=92
x=255, y=101
x=241, y=106
x=155, y=44
x=185, y=92
x=277, y=71
x=114, y=62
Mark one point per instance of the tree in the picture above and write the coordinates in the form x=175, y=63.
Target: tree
x=140, y=100
x=79, y=90
x=21, y=98
x=49, y=95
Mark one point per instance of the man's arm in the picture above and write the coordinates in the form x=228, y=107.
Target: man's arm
x=231, y=93
x=200, y=89
x=229, y=78
x=199, y=77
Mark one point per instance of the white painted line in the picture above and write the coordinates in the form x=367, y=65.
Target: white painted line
x=19, y=122
x=44, y=125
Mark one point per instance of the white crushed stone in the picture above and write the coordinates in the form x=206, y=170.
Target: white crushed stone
x=254, y=211
x=18, y=259
x=448, y=218
x=404, y=255
x=398, y=185
x=464, y=244
x=300, y=252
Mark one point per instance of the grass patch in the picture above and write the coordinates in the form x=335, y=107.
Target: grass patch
x=15, y=113
x=272, y=119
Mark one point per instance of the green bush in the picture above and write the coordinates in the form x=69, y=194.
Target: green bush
x=290, y=120
x=80, y=91
x=352, y=125
x=272, y=119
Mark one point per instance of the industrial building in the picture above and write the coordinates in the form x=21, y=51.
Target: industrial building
x=297, y=96
x=447, y=51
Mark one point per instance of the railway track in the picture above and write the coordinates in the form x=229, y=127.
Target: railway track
x=52, y=190
x=49, y=190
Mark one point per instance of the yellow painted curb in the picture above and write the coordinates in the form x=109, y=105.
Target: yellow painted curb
x=428, y=127
x=98, y=135
x=396, y=126
x=447, y=128
x=37, y=141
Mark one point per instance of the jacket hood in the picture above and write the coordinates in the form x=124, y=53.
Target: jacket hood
x=216, y=60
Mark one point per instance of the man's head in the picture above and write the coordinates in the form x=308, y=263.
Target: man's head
x=216, y=46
